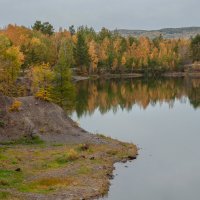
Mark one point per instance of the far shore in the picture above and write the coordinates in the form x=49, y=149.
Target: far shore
x=137, y=75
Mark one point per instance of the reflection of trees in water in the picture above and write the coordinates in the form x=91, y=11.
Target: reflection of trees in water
x=194, y=92
x=114, y=94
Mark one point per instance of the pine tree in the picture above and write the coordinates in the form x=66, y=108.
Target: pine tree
x=195, y=46
x=82, y=54
x=63, y=90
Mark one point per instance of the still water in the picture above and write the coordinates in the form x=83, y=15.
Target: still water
x=163, y=118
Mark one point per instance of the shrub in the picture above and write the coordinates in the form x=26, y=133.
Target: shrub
x=43, y=95
x=72, y=155
x=15, y=106
x=42, y=130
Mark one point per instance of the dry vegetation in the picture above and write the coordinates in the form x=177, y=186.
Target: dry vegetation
x=42, y=171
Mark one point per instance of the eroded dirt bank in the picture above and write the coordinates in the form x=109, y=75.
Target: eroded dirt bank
x=40, y=118
x=45, y=155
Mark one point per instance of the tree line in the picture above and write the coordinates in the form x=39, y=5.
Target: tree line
x=46, y=57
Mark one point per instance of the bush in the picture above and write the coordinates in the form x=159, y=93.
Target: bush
x=15, y=106
x=72, y=155
x=43, y=95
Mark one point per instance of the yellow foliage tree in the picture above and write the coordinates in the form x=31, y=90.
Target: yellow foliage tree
x=123, y=61
x=12, y=63
x=93, y=55
x=42, y=77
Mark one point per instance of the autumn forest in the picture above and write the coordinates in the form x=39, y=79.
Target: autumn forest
x=41, y=60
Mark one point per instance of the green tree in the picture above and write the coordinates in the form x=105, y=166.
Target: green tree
x=157, y=40
x=45, y=28
x=40, y=49
x=195, y=47
x=104, y=33
x=72, y=30
x=63, y=91
x=82, y=54
x=4, y=44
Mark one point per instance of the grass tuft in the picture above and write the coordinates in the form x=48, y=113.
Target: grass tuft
x=72, y=155
x=4, y=195
x=9, y=178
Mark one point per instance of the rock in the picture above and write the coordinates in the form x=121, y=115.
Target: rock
x=82, y=156
x=34, y=132
x=124, y=161
x=18, y=170
x=110, y=176
x=132, y=157
x=84, y=147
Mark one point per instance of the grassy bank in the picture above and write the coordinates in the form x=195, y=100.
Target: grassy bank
x=40, y=171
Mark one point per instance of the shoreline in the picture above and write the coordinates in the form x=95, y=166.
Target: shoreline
x=138, y=75
x=68, y=164
x=87, y=177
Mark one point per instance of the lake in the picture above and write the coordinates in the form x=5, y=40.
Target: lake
x=163, y=118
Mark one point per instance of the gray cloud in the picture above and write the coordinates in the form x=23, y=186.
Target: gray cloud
x=131, y=14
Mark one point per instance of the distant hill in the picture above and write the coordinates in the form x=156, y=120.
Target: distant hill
x=170, y=33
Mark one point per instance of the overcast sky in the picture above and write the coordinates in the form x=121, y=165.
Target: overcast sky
x=129, y=14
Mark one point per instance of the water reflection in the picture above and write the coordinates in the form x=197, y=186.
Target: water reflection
x=114, y=94
x=160, y=116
